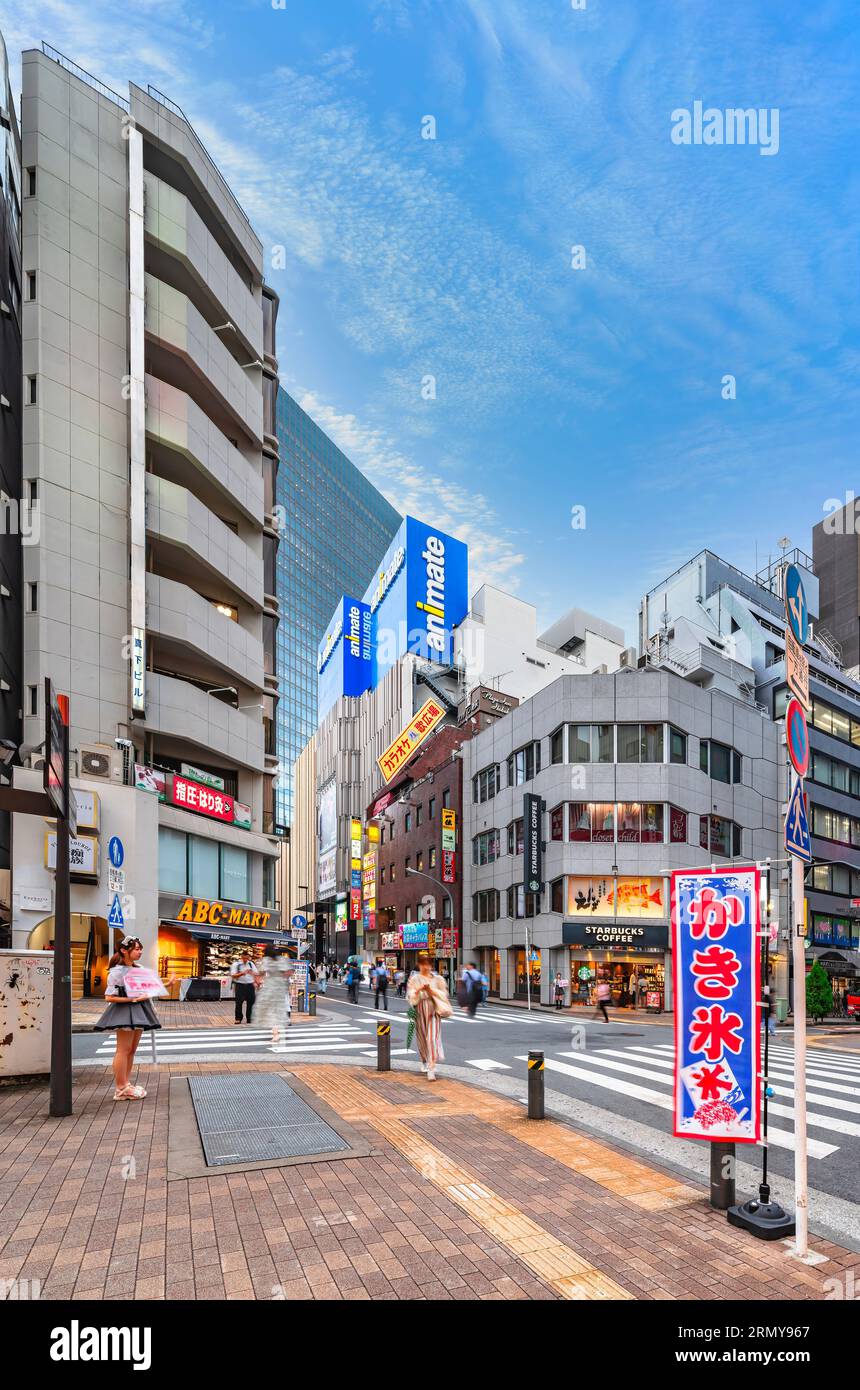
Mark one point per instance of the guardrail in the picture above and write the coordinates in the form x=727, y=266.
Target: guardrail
x=177, y=111
x=76, y=71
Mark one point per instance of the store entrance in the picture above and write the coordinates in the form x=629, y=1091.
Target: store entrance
x=526, y=982
x=634, y=983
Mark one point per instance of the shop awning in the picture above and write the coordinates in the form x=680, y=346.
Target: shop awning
x=249, y=935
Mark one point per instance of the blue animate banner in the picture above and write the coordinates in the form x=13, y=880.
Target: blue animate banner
x=716, y=957
x=344, y=654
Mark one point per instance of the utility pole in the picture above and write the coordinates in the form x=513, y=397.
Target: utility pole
x=798, y=951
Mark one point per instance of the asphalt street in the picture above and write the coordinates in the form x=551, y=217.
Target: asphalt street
x=619, y=1083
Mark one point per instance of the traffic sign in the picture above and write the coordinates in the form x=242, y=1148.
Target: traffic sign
x=796, y=611
x=115, y=917
x=797, y=737
x=796, y=669
x=116, y=853
x=299, y=920
x=797, y=840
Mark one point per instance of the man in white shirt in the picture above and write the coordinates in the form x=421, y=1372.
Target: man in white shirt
x=245, y=975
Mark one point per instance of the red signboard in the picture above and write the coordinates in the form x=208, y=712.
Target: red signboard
x=449, y=866
x=355, y=904
x=206, y=801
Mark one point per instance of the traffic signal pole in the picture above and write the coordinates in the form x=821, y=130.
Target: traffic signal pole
x=798, y=952
x=61, y=1014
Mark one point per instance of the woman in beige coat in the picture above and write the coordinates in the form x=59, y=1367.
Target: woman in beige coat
x=428, y=994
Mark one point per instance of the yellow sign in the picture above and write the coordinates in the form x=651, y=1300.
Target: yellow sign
x=410, y=739
x=200, y=910
x=449, y=819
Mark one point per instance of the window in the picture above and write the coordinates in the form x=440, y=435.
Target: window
x=629, y=823
x=431, y=809
x=32, y=487
x=556, y=746
x=724, y=837
x=629, y=745
x=33, y=693
x=382, y=876
x=30, y=395
x=677, y=746
x=32, y=598
x=652, y=743
x=202, y=867
x=652, y=822
x=407, y=864
x=446, y=798
x=31, y=285
x=604, y=740
x=556, y=895
x=485, y=905
x=419, y=861
x=31, y=183
x=432, y=856
x=172, y=860
x=418, y=810
x=446, y=909
x=407, y=824
x=579, y=743
x=556, y=822
x=721, y=763
x=409, y=914
x=522, y=904
x=523, y=765
x=234, y=874
x=486, y=847
x=579, y=820
x=829, y=721
x=392, y=874
x=515, y=837
x=677, y=826
x=484, y=785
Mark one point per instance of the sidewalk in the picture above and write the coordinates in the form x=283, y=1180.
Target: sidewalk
x=171, y=1013
x=462, y=1197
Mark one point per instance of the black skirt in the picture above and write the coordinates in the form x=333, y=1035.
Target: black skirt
x=138, y=1014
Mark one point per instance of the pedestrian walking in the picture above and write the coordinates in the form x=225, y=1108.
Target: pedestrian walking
x=400, y=982
x=246, y=977
x=559, y=985
x=273, y=1000
x=604, y=993
x=353, y=980
x=126, y=1015
x=322, y=980
x=471, y=990
x=380, y=986
x=429, y=999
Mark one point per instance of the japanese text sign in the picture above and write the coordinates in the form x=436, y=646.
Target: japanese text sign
x=204, y=800
x=715, y=949
x=410, y=739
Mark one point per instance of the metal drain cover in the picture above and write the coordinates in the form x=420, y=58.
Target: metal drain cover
x=246, y=1117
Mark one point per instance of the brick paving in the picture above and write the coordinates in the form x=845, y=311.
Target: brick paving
x=463, y=1198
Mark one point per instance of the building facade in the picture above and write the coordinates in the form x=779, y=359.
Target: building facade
x=150, y=381
x=637, y=773
x=18, y=513
x=836, y=558
x=335, y=528
x=708, y=606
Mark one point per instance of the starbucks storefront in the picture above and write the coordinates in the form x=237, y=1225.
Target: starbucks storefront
x=633, y=957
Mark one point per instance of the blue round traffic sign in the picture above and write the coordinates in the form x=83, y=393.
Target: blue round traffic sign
x=299, y=920
x=797, y=737
x=796, y=611
x=116, y=853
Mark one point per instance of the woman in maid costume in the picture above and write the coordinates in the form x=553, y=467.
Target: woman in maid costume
x=128, y=1017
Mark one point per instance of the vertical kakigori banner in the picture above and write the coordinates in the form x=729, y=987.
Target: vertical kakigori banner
x=716, y=963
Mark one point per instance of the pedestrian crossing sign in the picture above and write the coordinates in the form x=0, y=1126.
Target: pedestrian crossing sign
x=797, y=826
x=115, y=917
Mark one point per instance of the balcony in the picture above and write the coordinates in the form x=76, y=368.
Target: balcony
x=198, y=540
x=205, y=367
x=169, y=131
x=179, y=616
x=178, y=238
x=175, y=425
x=178, y=710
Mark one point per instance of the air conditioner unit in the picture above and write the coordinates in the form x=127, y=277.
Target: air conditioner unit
x=99, y=760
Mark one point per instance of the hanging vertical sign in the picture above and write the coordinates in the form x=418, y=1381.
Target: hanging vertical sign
x=533, y=866
x=715, y=952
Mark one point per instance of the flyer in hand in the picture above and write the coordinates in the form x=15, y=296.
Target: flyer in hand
x=141, y=983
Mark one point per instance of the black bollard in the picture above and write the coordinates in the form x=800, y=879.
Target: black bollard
x=722, y=1175
x=383, y=1047
x=536, y=1065
x=312, y=1004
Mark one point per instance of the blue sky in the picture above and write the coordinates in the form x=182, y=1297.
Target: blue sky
x=407, y=257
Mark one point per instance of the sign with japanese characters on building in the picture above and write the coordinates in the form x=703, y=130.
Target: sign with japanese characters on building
x=715, y=949
x=449, y=829
x=411, y=738
x=204, y=800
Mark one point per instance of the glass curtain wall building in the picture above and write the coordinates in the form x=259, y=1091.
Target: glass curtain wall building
x=335, y=528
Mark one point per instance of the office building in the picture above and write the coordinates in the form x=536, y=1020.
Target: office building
x=150, y=383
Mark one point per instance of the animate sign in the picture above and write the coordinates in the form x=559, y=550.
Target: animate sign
x=411, y=738
x=194, y=797
x=203, y=910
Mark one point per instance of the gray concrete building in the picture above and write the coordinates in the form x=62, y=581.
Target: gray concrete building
x=149, y=433
x=640, y=772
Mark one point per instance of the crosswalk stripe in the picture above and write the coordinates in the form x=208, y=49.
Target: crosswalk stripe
x=395, y=1052
x=487, y=1064
x=242, y=1043
x=780, y=1138
x=319, y=1047
x=777, y=1072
